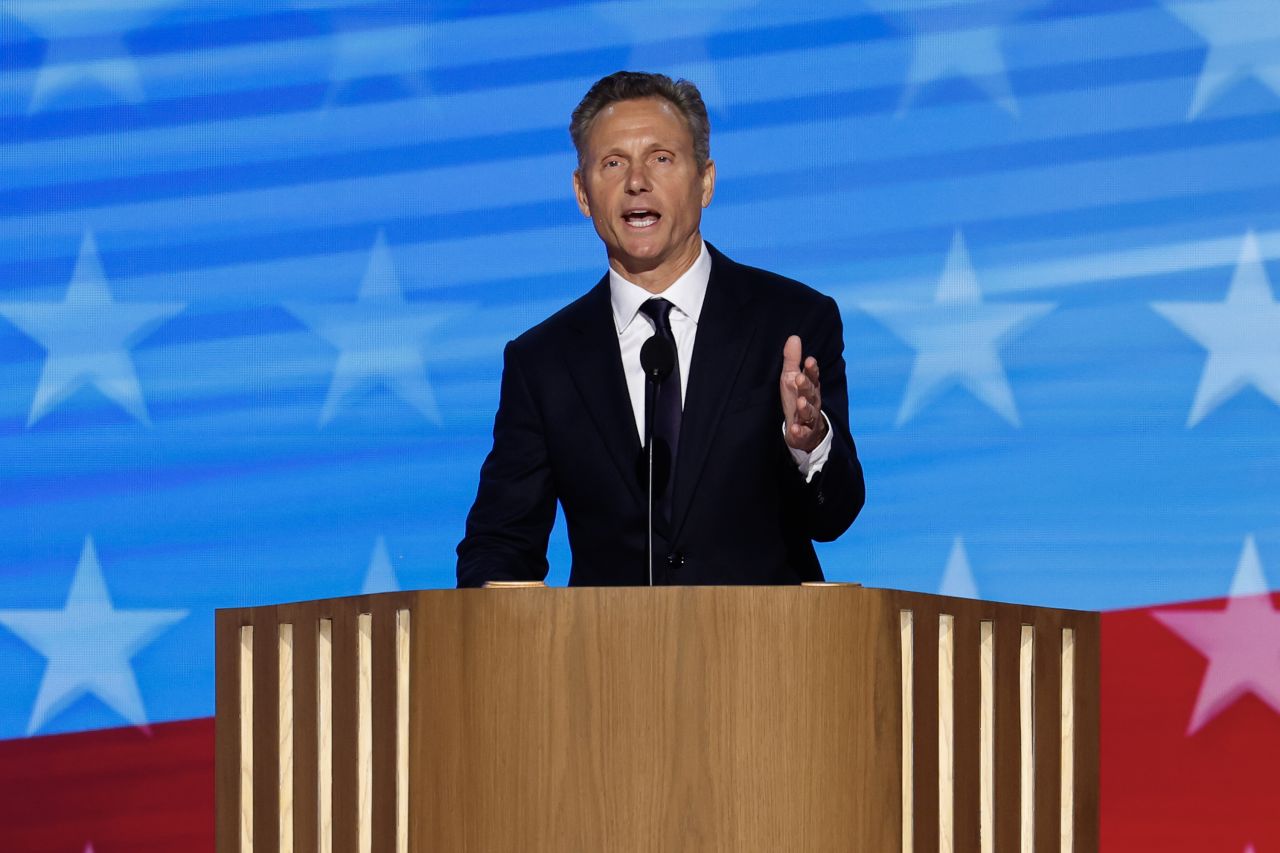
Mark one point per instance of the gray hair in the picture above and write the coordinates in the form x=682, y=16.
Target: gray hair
x=629, y=85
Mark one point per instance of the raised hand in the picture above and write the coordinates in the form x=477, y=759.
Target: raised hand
x=801, y=398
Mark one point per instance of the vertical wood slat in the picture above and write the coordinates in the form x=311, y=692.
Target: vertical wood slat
x=1088, y=658
x=346, y=687
x=383, y=721
x=246, y=715
x=906, y=649
x=266, y=737
x=1067, y=751
x=404, y=628
x=946, y=650
x=227, y=731
x=285, y=730
x=324, y=734
x=1027, y=738
x=305, y=751
x=926, y=728
x=966, y=749
x=364, y=733
x=1008, y=740
x=1048, y=740
x=987, y=737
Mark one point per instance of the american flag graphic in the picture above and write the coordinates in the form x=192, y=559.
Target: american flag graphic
x=258, y=261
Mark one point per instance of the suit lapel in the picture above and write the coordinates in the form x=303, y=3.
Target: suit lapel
x=724, y=332
x=594, y=362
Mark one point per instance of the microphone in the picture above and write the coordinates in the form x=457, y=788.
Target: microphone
x=657, y=359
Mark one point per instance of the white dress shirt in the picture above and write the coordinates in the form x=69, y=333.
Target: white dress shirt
x=686, y=295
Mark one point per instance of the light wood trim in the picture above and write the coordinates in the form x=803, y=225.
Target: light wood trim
x=305, y=786
x=285, y=732
x=1068, y=739
x=246, y=739
x=987, y=737
x=324, y=734
x=364, y=733
x=946, y=733
x=403, y=628
x=1026, y=730
x=906, y=643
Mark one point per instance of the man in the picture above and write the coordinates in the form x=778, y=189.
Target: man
x=763, y=462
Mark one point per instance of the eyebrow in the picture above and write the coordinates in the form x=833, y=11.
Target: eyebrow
x=655, y=147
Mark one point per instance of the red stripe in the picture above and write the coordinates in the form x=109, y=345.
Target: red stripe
x=1215, y=790
x=123, y=790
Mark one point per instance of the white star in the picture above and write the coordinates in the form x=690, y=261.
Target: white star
x=86, y=44
x=1241, y=333
x=957, y=338
x=378, y=44
x=88, y=644
x=1241, y=643
x=1244, y=40
x=955, y=40
x=381, y=576
x=380, y=338
x=957, y=577
x=676, y=45
x=87, y=336
x=972, y=53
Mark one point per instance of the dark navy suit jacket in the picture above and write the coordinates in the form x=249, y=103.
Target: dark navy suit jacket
x=740, y=510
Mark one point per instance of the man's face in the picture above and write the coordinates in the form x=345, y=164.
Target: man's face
x=639, y=183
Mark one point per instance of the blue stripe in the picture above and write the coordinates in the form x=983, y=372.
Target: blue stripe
x=393, y=159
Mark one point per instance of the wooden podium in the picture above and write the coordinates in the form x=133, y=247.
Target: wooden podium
x=611, y=720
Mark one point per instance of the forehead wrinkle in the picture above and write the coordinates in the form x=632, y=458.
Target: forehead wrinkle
x=651, y=130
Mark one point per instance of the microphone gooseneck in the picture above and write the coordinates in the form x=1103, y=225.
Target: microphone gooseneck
x=658, y=360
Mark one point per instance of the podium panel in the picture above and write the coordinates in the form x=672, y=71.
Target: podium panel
x=677, y=718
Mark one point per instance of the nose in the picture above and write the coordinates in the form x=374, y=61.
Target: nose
x=638, y=179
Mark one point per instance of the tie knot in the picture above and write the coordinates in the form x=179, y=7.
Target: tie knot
x=659, y=311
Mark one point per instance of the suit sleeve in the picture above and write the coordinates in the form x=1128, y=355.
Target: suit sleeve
x=511, y=519
x=835, y=496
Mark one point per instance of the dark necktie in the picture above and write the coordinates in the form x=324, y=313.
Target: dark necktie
x=666, y=408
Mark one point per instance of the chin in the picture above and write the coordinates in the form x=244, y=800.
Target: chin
x=644, y=252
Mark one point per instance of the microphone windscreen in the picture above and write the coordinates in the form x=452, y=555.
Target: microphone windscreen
x=658, y=357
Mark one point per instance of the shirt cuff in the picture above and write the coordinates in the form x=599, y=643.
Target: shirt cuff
x=811, y=463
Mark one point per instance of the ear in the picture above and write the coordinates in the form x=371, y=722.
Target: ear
x=708, y=182
x=580, y=190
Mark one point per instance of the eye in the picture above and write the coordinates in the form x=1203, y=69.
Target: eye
x=612, y=163
x=663, y=158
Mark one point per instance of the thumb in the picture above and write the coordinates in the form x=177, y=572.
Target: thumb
x=791, y=352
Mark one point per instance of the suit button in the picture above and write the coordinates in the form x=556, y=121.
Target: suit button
x=675, y=560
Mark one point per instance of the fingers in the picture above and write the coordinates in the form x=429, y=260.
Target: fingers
x=808, y=407
x=811, y=369
x=808, y=391
x=801, y=396
x=791, y=352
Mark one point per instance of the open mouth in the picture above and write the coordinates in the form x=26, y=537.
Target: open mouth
x=641, y=217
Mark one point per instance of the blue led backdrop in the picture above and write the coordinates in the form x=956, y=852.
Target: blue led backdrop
x=258, y=262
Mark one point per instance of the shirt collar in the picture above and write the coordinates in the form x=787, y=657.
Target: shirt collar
x=686, y=293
